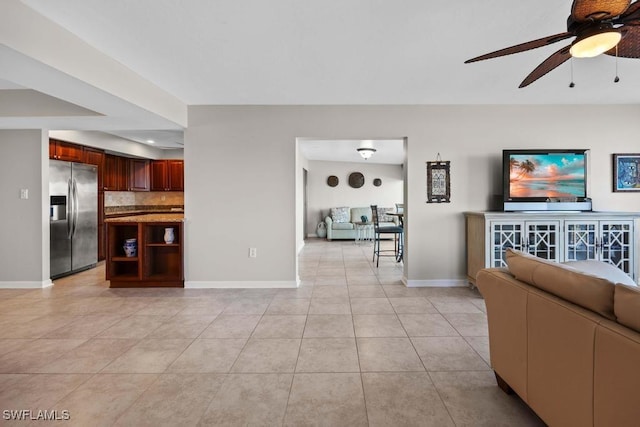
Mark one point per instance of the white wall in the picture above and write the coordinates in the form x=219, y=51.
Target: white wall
x=322, y=197
x=241, y=179
x=24, y=224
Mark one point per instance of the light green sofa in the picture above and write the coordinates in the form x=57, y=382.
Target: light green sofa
x=347, y=230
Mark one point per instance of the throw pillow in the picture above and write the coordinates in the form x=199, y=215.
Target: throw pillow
x=583, y=289
x=340, y=214
x=383, y=217
x=602, y=269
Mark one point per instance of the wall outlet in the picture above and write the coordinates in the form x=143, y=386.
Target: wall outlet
x=253, y=252
x=24, y=193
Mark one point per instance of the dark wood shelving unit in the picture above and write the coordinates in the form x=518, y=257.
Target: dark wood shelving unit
x=157, y=264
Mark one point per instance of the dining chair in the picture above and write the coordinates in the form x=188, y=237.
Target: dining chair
x=379, y=232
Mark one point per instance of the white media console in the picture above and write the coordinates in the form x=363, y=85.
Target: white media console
x=557, y=236
x=584, y=206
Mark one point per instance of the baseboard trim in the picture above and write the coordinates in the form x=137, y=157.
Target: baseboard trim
x=26, y=285
x=443, y=283
x=229, y=284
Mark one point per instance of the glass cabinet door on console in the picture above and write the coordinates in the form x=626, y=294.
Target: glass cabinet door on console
x=580, y=240
x=609, y=241
x=505, y=235
x=539, y=238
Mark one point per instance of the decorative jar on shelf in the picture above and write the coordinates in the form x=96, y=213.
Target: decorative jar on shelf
x=169, y=236
x=130, y=248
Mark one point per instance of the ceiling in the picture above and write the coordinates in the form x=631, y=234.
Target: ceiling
x=330, y=52
x=388, y=151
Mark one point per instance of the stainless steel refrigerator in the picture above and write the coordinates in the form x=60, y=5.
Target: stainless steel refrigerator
x=73, y=217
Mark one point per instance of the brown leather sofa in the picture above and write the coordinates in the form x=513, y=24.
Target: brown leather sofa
x=568, y=343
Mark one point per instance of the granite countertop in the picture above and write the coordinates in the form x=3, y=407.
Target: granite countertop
x=156, y=217
x=138, y=210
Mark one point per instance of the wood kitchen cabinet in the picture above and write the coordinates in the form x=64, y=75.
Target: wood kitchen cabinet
x=114, y=173
x=125, y=174
x=138, y=171
x=167, y=175
x=94, y=156
x=61, y=150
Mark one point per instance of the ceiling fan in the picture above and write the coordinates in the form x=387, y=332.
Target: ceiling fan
x=611, y=27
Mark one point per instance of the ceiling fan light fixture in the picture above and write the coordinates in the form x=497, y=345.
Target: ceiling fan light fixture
x=595, y=44
x=366, y=152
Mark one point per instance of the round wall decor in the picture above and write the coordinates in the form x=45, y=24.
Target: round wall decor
x=356, y=180
x=377, y=182
x=332, y=181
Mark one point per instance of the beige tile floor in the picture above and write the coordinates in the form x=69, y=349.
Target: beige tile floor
x=351, y=346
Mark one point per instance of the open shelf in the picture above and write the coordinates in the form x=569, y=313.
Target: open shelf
x=123, y=270
x=154, y=233
x=124, y=259
x=157, y=263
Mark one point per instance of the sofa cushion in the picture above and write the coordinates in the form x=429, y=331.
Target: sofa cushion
x=342, y=226
x=340, y=214
x=602, y=269
x=627, y=306
x=356, y=213
x=583, y=289
x=387, y=224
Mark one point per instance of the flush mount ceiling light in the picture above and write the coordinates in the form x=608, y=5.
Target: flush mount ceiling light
x=366, y=152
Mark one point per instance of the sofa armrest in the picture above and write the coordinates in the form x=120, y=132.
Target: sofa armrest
x=506, y=301
x=329, y=223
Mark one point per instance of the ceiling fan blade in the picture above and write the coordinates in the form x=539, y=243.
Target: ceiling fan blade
x=547, y=65
x=629, y=46
x=584, y=10
x=522, y=47
x=632, y=13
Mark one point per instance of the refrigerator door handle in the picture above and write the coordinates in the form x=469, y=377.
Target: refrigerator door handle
x=75, y=207
x=69, y=210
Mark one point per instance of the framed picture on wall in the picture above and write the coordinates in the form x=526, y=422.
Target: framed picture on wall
x=626, y=172
x=438, y=181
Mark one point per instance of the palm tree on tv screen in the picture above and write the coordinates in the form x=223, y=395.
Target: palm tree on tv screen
x=525, y=167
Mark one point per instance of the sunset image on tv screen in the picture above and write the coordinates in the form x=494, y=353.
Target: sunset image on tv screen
x=547, y=175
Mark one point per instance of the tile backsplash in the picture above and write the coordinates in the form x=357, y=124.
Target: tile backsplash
x=143, y=198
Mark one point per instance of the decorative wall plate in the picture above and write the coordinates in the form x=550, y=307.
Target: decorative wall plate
x=356, y=180
x=332, y=181
x=377, y=182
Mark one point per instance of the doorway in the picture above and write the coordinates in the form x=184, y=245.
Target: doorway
x=320, y=159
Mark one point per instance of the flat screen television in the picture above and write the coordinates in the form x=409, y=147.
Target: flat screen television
x=553, y=180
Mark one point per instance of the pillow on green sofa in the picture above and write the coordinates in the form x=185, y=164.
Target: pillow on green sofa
x=340, y=214
x=583, y=289
x=627, y=306
x=357, y=213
